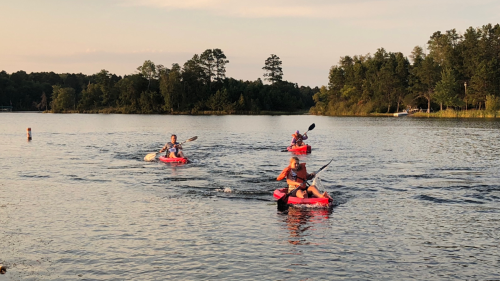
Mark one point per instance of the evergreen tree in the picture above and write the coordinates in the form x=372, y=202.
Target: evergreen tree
x=274, y=72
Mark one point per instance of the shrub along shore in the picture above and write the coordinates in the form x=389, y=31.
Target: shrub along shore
x=450, y=113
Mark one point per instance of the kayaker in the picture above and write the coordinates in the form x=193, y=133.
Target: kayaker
x=296, y=176
x=174, y=148
x=297, y=139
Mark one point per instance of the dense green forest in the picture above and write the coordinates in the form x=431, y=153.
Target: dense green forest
x=460, y=71
x=199, y=85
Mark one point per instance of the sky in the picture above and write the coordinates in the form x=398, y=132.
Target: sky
x=309, y=36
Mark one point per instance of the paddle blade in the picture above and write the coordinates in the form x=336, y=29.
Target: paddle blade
x=191, y=139
x=283, y=203
x=150, y=156
x=311, y=127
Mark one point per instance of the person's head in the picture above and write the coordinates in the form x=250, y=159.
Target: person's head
x=294, y=163
x=173, y=138
x=297, y=132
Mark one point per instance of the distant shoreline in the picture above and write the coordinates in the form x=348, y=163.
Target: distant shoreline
x=481, y=114
x=263, y=112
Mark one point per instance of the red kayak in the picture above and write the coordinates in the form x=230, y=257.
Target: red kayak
x=174, y=160
x=278, y=193
x=303, y=149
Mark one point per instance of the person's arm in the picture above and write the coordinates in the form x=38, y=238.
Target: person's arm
x=304, y=136
x=167, y=146
x=164, y=148
x=290, y=181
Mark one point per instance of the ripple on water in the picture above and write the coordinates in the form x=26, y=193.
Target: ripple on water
x=414, y=199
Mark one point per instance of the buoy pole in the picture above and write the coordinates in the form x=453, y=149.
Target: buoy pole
x=29, y=133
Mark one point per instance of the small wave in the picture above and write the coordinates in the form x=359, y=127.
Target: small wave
x=435, y=200
x=35, y=176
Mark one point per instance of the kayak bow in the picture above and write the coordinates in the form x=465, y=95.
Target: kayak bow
x=174, y=160
x=303, y=149
x=279, y=193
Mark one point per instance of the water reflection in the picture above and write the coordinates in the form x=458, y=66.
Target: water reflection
x=406, y=191
x=300, y=220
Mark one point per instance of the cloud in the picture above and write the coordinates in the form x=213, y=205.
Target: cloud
x=270, y=9
x=330, y=9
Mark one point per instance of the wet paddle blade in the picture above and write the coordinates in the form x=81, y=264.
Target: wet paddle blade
x=283, y=203
x=191, y=139
x=150, y=156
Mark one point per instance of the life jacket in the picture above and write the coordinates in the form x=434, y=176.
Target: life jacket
x=301, y=173
x=297, y=136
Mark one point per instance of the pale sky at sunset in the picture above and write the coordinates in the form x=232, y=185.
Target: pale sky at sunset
x=308, y=35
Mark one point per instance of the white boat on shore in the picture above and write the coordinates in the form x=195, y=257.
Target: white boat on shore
x=400, y=114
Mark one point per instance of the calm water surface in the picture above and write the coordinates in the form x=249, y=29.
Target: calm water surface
x=414, y=199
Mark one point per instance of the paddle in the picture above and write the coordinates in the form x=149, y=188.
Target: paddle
x=310, y=129
x=152, y=156
x=283, y=201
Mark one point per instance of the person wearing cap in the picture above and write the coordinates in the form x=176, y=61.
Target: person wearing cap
x=174, y=148
x=297, y=139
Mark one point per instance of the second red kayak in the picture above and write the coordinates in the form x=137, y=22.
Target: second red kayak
x=278, y=193
x=304, y=149
x=173, y=160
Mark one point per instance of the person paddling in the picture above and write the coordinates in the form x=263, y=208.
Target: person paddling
x=296, y=176
x=297, y=139
x=174, y=148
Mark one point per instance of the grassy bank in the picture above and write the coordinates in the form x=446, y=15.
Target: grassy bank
x=379, y=114
x=450, y=113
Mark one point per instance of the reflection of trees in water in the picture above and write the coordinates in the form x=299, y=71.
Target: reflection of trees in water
x=300, y=219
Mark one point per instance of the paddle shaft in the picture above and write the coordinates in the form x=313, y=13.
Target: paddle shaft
x=188, y=140
x=309, y=129
x=151, y=156
x=283, y=201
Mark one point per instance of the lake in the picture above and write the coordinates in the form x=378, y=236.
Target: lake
x=414, y=199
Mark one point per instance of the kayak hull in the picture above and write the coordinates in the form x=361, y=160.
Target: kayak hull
x=174, y=160
x=303, y=149
x=278, y=193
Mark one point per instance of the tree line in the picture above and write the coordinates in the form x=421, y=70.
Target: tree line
x=199, y=85
x=460, y=71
